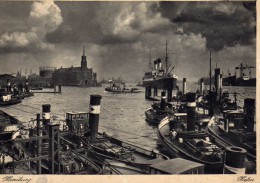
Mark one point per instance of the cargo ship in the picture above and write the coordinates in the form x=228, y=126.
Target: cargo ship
x=242, y=80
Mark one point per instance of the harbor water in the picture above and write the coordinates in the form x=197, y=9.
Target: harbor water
x=122, y=115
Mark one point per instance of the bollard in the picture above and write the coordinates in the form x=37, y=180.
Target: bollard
x=184, y=86
x=39, y=142
x=234, y=160
x=94, y=111
x=191, y=106
x=249, y=111
x=59, y=88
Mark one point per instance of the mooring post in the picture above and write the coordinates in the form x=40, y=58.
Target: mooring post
x=55, y=89
x=39, y=142
x=94, y=111
x=234, y=160
x=54, y=150
x=60, y=89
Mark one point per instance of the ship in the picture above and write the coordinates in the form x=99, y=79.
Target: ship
x=121, y=88
x=160, y=77
x=242, y=80
x=236, y=128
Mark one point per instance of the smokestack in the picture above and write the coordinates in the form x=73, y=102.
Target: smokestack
x=155, y=64
x=191, y=106
x=217, y=78
x=94, y=111
x=184, y=86
x=163, y=100
x=159, y=62
x=8, y=85
x=201, y=86
x=46, y=114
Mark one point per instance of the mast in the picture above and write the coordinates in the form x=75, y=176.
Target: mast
x=210, y=70
x=150, y=59
x=166, y=58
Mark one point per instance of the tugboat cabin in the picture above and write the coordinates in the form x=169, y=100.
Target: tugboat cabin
x=177, y=166
x=77, y=122
x=233, y=120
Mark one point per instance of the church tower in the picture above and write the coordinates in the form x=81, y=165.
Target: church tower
x=83, y=60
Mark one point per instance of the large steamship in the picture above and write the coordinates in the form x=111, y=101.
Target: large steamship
x=160, y=77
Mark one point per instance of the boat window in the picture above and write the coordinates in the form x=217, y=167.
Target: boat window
x=73, y=116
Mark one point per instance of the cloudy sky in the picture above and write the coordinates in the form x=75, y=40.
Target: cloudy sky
x=119, y=35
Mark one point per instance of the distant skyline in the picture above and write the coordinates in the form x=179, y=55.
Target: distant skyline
x=118, y=36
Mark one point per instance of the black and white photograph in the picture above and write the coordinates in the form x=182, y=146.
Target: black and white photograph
x=127, y=88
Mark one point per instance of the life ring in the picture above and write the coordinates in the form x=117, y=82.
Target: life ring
x=224, y=105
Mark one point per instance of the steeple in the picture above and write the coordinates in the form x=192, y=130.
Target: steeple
x=83, y=60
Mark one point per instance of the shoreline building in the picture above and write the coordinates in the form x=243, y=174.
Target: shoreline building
x=75, y=76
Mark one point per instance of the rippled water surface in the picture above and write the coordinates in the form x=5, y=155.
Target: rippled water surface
x=122, y=115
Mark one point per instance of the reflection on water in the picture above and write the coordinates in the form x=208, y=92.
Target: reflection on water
x=120, y=113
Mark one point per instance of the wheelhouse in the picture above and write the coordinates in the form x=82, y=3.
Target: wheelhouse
x=77, y=122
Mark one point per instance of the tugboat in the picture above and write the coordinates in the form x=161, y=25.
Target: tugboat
x=82, y=130
x=180, y=136
x=237, y=128
x=158, y=111
x=121, y=88
x=7, y=99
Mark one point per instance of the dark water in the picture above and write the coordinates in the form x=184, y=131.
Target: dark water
x=122, y=115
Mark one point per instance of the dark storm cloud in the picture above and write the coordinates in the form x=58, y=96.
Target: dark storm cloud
x=221, y=23
x=107, y=23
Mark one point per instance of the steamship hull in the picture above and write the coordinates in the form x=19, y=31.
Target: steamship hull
x=242, y=82
x=177, y=150
x=229, y=81
x=160, y=82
